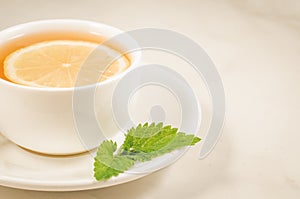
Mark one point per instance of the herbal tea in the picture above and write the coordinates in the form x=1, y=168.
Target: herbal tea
x=55, y=60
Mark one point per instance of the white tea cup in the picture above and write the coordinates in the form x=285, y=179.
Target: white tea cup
x=42, y=119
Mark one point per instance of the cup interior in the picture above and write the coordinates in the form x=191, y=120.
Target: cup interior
x=112, y=37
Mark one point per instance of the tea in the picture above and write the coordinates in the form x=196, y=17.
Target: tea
x=12, y=51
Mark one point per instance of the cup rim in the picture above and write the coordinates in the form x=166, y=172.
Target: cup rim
x=136, y=56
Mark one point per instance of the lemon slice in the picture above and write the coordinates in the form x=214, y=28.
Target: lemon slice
x=63, y=63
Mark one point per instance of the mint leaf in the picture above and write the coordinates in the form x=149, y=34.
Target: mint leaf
x=156, y=141
x=141, y=144
x=148, y=138
x=107, y=164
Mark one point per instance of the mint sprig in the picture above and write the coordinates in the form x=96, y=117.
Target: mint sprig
x=142, y=143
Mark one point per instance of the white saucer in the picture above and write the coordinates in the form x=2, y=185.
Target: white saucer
x=22, y=169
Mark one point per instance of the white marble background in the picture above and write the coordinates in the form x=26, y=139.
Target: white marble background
x=256, y=47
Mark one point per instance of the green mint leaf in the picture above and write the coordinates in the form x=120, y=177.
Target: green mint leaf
x=164, y=140
x=107, y=164
x=141, y=144
x=179, y=141
x=148, y=138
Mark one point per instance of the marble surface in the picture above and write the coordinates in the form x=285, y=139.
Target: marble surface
x=255, y=46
